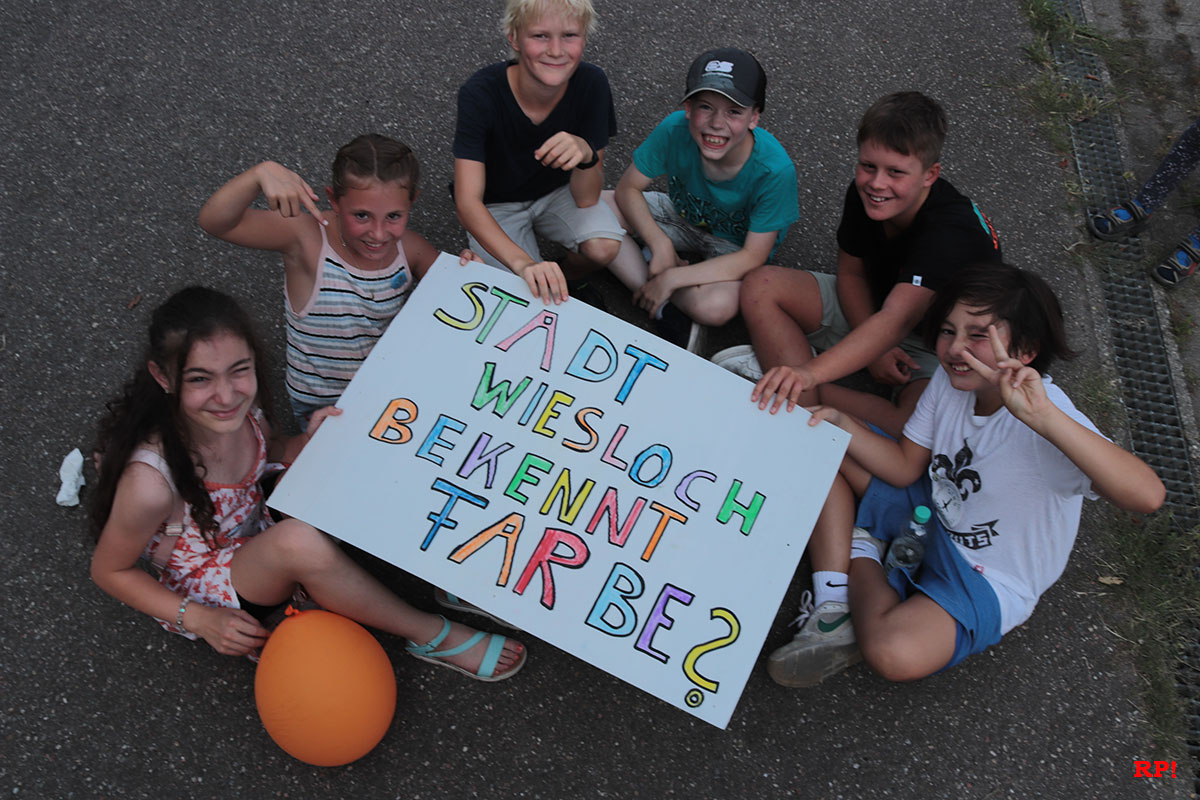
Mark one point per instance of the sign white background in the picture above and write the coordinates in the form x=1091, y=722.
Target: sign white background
x=380, y=496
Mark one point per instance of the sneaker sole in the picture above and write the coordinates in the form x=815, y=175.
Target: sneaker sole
x=1125, y=232
x=737, y=359
x=806, y=667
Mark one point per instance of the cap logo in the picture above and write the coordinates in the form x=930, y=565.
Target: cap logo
x=719, y=66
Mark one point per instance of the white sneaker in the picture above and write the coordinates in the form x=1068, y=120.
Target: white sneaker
x=862, y=534
x=697, y=338
x=740, y=360
x=824, y=646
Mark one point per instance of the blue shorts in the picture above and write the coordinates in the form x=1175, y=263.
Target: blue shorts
x=944, y=576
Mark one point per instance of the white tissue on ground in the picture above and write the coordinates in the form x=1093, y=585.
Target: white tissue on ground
x=71, y=475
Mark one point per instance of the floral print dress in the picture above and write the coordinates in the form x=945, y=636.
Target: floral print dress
x=194, y=565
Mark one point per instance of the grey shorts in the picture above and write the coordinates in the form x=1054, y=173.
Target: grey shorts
x=555, y=217
x=834, y=328
x=686, y=237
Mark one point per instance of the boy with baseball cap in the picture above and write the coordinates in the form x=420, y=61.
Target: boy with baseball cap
x=731, y=195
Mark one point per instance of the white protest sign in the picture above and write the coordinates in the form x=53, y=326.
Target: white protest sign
x=575, y=475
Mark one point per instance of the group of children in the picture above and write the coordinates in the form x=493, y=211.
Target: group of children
x=920, y=298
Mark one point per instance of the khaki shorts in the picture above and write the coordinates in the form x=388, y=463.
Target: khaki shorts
x=554, y=217
x=834, y=328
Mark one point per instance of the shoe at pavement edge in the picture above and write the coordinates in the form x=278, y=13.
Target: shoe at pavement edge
x=824, y=646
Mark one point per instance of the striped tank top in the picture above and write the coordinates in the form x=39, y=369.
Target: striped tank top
x=335, y=331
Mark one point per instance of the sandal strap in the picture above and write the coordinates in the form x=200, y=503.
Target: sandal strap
x=429, y=647
x=1107, y=225
x=487, y=665
x=1137, y=214
x=1135, y=209
x=462, y=648
x=1191, y=249
x=491, y=656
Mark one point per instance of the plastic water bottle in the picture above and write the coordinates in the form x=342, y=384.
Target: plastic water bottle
x=908, y=549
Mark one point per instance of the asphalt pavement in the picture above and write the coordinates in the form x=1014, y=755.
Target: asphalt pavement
x=120, y=118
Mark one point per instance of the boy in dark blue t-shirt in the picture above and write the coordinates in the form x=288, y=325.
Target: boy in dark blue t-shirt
x=529, y=148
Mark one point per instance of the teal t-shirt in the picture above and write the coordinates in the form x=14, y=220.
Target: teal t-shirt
x=761, y=198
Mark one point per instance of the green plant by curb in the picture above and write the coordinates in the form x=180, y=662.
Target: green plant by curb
x=1151, y=564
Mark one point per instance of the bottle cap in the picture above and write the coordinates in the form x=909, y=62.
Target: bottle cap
x=921, y=514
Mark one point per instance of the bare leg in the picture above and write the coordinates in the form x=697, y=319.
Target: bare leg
x=902, y=641
x=593, y=255
x=267, y=568
x=628, y=265
x=781, y=307
x=710, y=304
x=829, y=548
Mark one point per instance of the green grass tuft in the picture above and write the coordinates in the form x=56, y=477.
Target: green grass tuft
x=1048, y=20
x=1157, y=562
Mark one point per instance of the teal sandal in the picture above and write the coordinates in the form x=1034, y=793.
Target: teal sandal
x=1117, y=223
x=1180, y=264
x=487, y=667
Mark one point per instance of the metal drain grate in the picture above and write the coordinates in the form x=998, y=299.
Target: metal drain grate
x=1142, y=364
x=1155, y=426
x=1156, y=429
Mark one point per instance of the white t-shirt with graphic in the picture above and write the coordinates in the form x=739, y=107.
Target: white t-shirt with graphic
x=1009, y=498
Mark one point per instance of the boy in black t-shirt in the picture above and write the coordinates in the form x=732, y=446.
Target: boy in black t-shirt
x=904, y=231
x=529, y=148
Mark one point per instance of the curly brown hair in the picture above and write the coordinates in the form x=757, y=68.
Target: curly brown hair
x=143, y=411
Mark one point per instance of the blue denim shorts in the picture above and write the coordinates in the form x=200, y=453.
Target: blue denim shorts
x=944, y=575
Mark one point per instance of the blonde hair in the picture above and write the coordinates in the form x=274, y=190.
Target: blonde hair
x=519, y=13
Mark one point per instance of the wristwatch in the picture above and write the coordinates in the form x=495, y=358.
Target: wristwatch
x=595, y=160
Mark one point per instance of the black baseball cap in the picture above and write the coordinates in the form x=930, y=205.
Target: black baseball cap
x=731, y=72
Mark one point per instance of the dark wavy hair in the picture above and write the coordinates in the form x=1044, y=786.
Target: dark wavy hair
x=375, y=157
x=1016, y=296
x=144, y=411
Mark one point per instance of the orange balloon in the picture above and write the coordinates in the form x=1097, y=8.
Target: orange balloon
x=325, y=690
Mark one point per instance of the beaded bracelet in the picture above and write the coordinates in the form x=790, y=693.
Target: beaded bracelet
x=179, y=616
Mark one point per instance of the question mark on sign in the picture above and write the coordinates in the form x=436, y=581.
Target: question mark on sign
x=695, y=697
